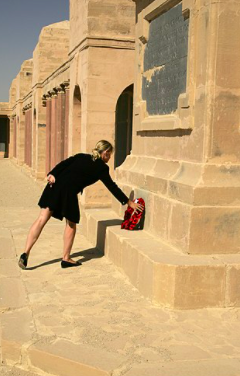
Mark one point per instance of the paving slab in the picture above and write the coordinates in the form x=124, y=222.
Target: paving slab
x=225, y=367
x=15, y=371
x=18, y=332
x=63, y=357
x=9, y=268
x=7, y=247
x=90, y=320
x=12, y=293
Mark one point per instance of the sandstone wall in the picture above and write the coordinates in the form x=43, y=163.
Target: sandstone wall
x=212, y=88
x=186, y=162
x=24, y=79
x=100, y=19
x=51, y=50
x=102, y=36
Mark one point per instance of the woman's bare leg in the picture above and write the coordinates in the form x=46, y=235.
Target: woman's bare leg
x=68, y=239
x=36, y=229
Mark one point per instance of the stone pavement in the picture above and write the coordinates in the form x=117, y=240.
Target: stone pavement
x=89, y=320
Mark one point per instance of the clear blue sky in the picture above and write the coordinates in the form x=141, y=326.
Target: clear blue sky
x=20, y=24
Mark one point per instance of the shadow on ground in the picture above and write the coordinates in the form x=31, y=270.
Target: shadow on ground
x=90, y=253
x=86, y=255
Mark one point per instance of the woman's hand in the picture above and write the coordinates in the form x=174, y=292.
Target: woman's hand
x=135, y=205
x=51, y=180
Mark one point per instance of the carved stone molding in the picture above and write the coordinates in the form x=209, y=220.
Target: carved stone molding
x=59, y=89
x=27, y=107
x=52, y=93
x=66, y=85
x=44, y=100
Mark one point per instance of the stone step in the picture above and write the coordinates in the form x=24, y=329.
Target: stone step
x=160, y=272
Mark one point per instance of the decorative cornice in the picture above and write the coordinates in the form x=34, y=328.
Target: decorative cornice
x=59, y=89
x=66, y=85
x=44, y=100
x=56, y=90
x=27, y=107
x=52, y=93
x=121, y=43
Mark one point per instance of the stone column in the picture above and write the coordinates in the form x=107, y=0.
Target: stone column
x=30, y=138
x=47, y=103
x=11, y=135
x=20, y=133
x=60, y=124
x=25, y=140
x=40, y=123
x=53, y=127
x=34, y=140
x=66, y=85
x=28, y=135
x=14, y=137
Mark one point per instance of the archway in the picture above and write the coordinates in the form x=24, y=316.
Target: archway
x=123, y=126
x=4, y=137
x=77, y=115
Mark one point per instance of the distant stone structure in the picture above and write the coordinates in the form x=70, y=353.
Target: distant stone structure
x=181, y=154
x=66, y=97
x=5, y=113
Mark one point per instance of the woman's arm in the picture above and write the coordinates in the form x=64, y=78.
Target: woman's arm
x=112, y=186
x=117, y=192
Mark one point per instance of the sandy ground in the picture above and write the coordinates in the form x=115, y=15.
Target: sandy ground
x=13, y=371
x=96, y=307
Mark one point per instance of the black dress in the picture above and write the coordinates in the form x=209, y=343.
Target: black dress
x=72, y=176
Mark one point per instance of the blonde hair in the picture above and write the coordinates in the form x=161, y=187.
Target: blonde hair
x=101, y=146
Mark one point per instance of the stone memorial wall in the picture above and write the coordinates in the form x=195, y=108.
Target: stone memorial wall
x=165, y=62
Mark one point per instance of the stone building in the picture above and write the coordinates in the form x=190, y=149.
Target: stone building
x=67, y=96
x=28, y=121
x=185, y=157
x=180, y=154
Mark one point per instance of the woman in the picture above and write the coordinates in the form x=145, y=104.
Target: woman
x=59, y=198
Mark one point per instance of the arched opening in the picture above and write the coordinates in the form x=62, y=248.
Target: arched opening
x=123, y=126
x=4, y=137
x=77, y=115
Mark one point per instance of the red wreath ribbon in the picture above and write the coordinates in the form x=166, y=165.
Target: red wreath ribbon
x=133, y=219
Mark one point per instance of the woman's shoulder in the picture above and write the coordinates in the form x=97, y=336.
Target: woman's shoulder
x=83, y=156
x=100, y=165
x=87, y=158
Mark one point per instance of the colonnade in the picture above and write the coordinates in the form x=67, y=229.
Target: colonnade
x=56, y=102
x=13, y=120
x=27, y=111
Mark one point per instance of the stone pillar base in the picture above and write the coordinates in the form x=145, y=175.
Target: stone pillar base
x=191, y=206
x=161, y=273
